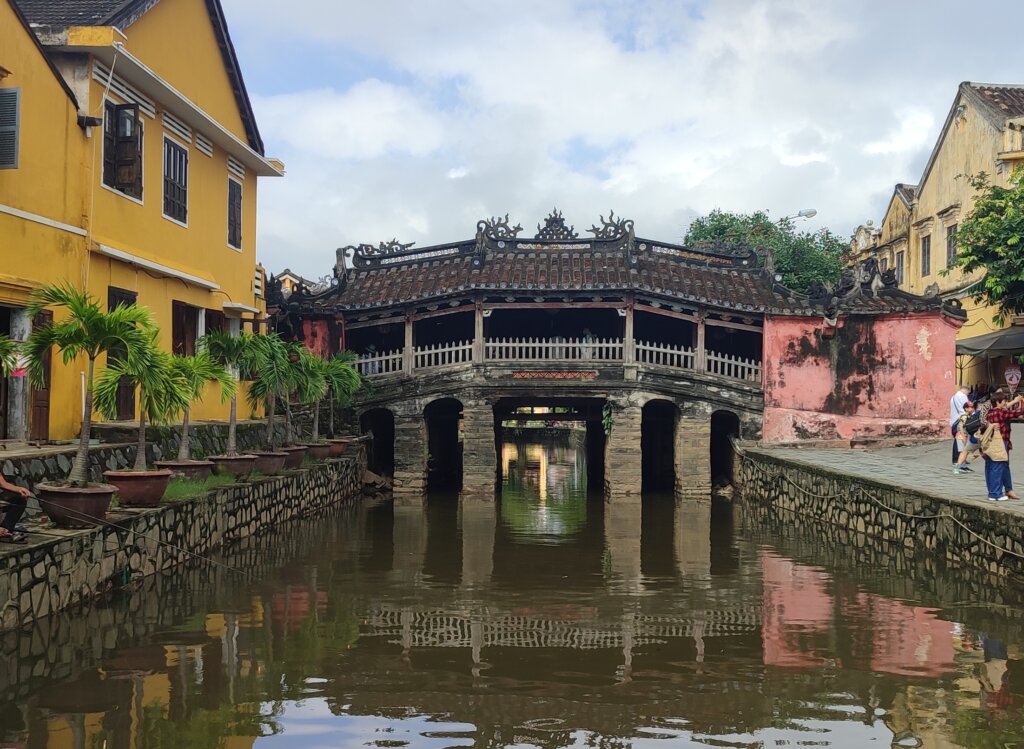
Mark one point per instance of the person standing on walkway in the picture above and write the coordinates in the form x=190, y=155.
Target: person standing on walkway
x=997, y=465
x=1003, y=413
x=956, y=410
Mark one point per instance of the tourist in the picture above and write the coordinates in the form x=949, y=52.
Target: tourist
x=956, y=410
x=16, y=498
x=1003, y=413
x=997, y=465
x=967, y=443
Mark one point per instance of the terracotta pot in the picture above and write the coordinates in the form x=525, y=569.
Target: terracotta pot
x=239, y=465
x=269, y=463
x=339, y=446
x=75, y=506
x=139, y=488
x=296, y=454
x=319, y=450
x=193, y=470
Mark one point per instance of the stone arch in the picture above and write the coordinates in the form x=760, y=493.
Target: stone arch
x=725, y=426
x=380, y=457
x=443, y=419
x=658, y=427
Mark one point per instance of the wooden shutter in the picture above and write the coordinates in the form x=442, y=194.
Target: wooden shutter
x=10, y=100
x=234, y=214
x=128, y=149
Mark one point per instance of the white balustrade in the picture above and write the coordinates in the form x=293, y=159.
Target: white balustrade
x=443, y=355
x=665, y=355
x=732, y=367
x=553, y=349
x=378, y=365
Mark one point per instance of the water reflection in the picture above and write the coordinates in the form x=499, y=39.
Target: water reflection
x=458, y=624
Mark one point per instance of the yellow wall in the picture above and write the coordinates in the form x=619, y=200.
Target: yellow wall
x=60, y=177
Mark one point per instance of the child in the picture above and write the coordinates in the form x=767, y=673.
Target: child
x=967, y=444
x=997, y=464
x=16, y=498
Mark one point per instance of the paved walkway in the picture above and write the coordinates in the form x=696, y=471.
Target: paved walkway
x=924, y=468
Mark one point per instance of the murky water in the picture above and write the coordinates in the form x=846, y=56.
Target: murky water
x=546, y=620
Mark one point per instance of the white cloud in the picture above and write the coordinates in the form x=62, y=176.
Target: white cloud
x=416, y=119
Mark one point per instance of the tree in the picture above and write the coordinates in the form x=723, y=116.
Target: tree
x=273, y=378
x=198, y=371
x=343, y=382
x=163, y=392
x=239, y=354
x=991, y=239
x=86, y=330
x=801, y=258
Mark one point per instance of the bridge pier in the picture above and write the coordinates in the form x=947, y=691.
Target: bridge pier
x=479, y=452
x=693, y=456
x=623, y=467
x=410, y=455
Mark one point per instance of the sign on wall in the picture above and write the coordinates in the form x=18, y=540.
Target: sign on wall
x=1012, y=375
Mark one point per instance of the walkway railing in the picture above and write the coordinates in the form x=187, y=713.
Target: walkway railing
x=553, y=350
x=578, y=351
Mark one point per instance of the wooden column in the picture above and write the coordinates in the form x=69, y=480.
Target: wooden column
x=478, y=334
x=629, y=342
x=700, y=362
x=408, y=357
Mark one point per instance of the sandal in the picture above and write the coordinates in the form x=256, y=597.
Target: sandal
x=13, y=538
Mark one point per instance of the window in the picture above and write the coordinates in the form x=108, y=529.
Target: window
x=885, y=264
x=175, y=181
x=184, y=328
x=899, y=267
x=235, y=214
x=216, y=321
x=10, y=100
x=122, y=149
x=926, y=256
x=950, y=244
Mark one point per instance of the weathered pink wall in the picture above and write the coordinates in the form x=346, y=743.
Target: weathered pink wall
x=889, y=376
x=317, y=337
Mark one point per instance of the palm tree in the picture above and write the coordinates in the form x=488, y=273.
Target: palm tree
x=163, y=392
x=8, y=355
x=274, y=378
x=343, y=382
x=198, y=371
x=236, y=352
x=311, y=384
x=87, y=330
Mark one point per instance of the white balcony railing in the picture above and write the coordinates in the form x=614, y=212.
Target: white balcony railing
x=553, y=350
x=376, y=365
x=665, y=355
x=732, y=367
x=443, y=355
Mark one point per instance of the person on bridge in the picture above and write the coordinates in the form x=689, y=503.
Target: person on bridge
x=956, y=410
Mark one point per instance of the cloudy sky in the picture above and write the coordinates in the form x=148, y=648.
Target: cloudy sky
x=415, y=118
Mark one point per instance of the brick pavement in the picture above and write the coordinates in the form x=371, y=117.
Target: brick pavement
x=924, y=468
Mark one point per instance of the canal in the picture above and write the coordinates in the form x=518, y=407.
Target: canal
x=547, y=619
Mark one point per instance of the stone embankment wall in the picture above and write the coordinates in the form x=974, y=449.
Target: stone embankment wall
x=74, y=566
x=28, y=467
x=957, y=532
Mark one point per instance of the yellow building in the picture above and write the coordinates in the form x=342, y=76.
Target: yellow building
x=917, y=237
x=131, y=171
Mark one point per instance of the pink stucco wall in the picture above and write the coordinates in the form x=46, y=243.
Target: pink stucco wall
x=888, y=376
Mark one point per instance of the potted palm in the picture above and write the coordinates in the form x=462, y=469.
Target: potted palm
x=343, y=381
x=84, y=330
x=198, y=371
x=272, y=375
x=162, y=394
x=236, y=353
x=311, y=387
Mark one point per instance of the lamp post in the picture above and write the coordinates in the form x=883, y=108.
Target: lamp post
x=805, y=213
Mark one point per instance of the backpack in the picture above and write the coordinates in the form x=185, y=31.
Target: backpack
x=973, y=423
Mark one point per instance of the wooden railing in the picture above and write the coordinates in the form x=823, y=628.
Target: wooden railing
x=732, y=367
x=665, y=355
x=553, y=350
x=443, y=355
x=377, y=365
x=573, y=350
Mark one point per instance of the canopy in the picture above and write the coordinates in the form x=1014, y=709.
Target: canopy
x=1008, y=342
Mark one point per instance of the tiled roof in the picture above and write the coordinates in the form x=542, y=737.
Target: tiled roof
x=582, y=273
x=64, y=13
x=1007, y=99
x=907, y=192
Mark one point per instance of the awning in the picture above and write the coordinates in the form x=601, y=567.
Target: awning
x=1007, y=342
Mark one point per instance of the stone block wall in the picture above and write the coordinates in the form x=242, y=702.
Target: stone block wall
x=75, y=566
x=693, y=456
x=960, y=533
x=479, y=456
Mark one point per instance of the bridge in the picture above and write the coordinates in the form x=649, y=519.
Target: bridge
x=659, y=349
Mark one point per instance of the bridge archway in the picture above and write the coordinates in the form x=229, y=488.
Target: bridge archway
x=443, y=418
x=725, y=426
x=658, y=424
x=380, y=457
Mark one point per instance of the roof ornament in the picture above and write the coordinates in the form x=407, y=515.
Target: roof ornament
x=497, y=228
x=555, y=228
x=612, y=228
x=383, y=249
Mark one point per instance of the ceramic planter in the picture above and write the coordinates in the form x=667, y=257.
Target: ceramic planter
x=269, y=463
x=296, y=454
x=75, y=506
x=239, y=465
x=139, y=488
x=319, y=450
x=193, y=470
x=339, y=446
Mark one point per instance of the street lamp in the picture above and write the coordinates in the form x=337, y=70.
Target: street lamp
x=805, y=213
